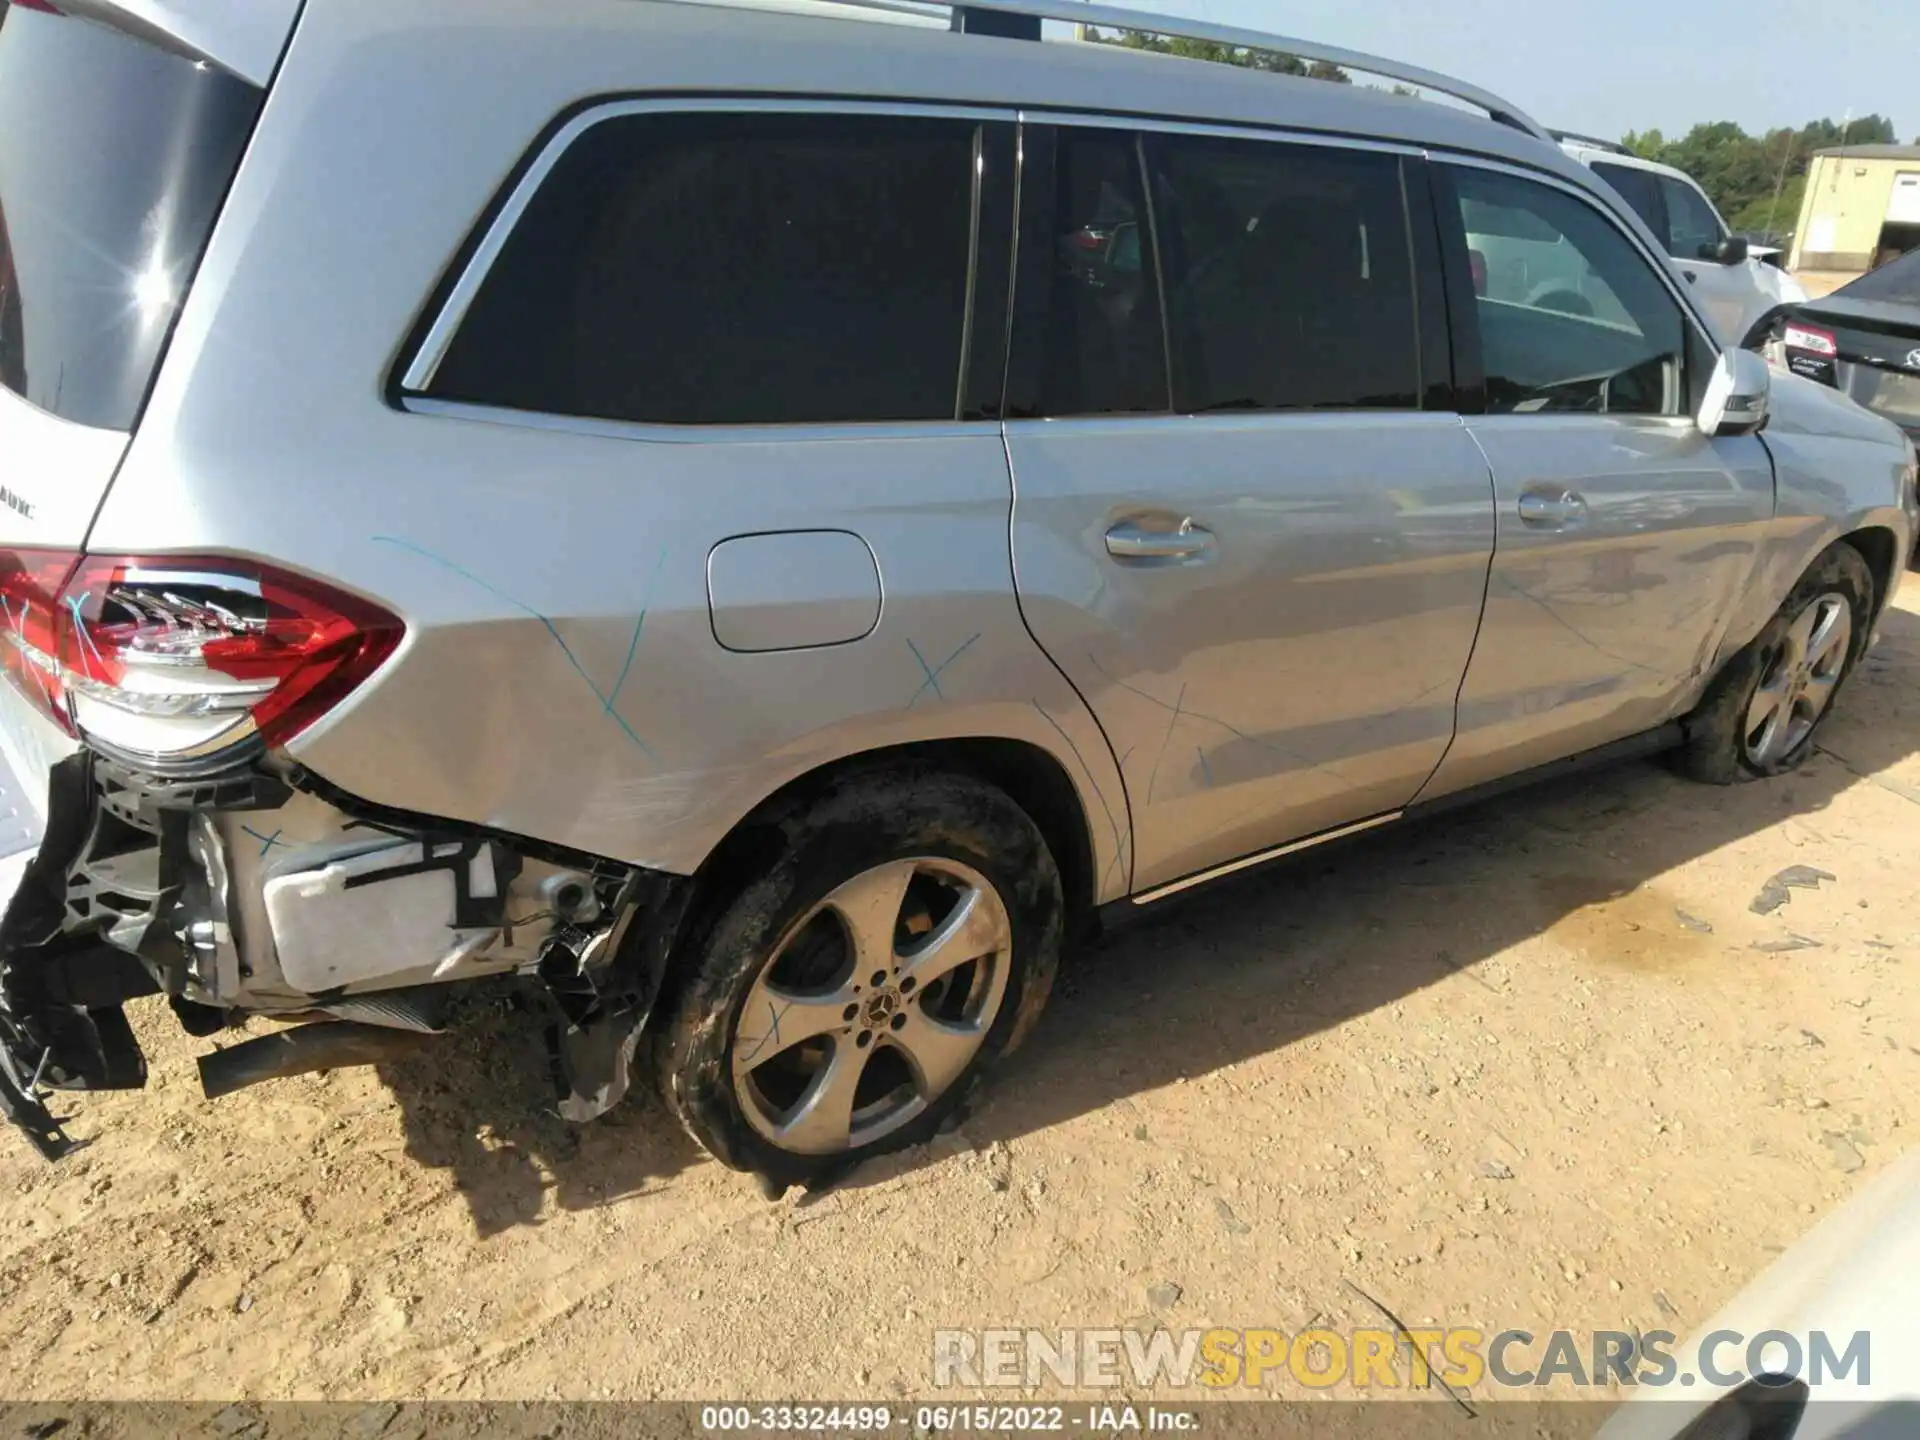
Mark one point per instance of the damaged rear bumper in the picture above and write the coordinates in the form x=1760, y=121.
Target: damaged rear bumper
x=258, y=890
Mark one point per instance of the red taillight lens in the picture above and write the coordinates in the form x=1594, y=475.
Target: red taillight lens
x=1813, y=341
x=175, y=658
x=31, y=582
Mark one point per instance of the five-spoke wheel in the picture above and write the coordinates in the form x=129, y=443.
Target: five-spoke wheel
x=872, y=1006
x=1799, y=681
x=1762, y=711
x=901, y=937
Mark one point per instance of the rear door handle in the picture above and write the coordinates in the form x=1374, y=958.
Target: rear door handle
x=1131, y=540
x=1553, y=509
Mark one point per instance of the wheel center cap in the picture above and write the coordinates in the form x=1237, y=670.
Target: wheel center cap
x=881, y=1008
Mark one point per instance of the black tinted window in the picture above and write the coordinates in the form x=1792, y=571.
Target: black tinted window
x=1088, y=338
x=1640, y=189
x=1696, y=231
x=1898, y=281
x=1288, y=276
x=115, y=157
x=703, y=268
x=1572, y=316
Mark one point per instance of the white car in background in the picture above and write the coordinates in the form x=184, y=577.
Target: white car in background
x=1737, y=283
x=1837, y=1291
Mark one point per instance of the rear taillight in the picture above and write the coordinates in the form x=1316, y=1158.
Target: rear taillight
x=1814, y=342
x=178, y=658
x=31, y=582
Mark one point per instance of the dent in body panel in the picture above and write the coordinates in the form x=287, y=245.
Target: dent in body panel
x=1607, y=625
x=1839, y=469
x=1298, y=675
x=573, y=690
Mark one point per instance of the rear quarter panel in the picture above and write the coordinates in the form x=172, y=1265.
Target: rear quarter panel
x=560, y=678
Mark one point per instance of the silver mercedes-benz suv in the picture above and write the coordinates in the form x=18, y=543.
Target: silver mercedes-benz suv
x=760, y=522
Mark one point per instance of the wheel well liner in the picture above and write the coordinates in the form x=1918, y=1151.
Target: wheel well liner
x=1877, y=547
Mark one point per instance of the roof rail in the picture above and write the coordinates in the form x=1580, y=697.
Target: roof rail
x=1612, y=146
x=968, y=15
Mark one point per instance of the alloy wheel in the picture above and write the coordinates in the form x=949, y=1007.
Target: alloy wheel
x=872, y=1006
x=1799, y=681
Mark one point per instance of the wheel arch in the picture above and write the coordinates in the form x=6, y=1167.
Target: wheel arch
x=1031, y=776
x=1880, y=548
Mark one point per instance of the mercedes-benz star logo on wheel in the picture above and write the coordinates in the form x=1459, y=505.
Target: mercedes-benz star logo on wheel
x=1913, y=359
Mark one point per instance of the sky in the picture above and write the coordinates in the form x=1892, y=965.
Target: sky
x=1630, y=64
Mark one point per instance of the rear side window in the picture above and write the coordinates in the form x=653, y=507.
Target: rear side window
x=115, y=156
x=698, y=268
x=1289, y=276
x=1088, y=338
x=1641, y=190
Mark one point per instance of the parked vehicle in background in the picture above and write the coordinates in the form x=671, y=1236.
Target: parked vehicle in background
x=773, y=568
x=1863, y=340
x=1738, y=282
x=1819, y=1346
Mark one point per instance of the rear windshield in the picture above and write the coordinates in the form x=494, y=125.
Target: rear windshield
x=114, y=158
x=1896, y=282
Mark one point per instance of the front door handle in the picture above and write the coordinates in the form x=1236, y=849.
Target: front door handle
x=1131, y=540
x=1552, y=509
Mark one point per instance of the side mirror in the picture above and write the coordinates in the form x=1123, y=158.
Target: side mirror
x=1736, y=401
x=1731, y=251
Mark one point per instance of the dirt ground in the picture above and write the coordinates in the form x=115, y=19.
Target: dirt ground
x=1819, y=283
x=1536, y=1064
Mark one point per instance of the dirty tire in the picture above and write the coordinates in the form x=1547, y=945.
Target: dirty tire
x=864, y=824
x=1715, y=752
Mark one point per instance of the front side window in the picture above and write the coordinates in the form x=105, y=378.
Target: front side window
x=1696, y=230
x=700, y=268
x=1289, y=276
x=1572, y=316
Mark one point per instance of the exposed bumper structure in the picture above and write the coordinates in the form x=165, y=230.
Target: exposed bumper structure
x=257, y=891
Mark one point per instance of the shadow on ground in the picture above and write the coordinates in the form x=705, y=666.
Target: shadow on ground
x=481, y=1103
x=1240, y=969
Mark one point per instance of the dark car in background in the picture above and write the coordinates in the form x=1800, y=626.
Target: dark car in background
x=1864, y=340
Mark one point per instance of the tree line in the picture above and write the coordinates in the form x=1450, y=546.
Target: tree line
x=1757, y=181
x=1271, y=61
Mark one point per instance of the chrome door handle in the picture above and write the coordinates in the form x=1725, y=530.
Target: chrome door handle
x=1130, y=540
x=1563, y=508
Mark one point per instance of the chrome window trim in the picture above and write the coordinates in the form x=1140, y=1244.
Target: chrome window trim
x=1146, y=125
x=1244, y=420
x=427, y=357
x=1220, y=131
x=1662, y=264
x=426, y=360
x=774, y=434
